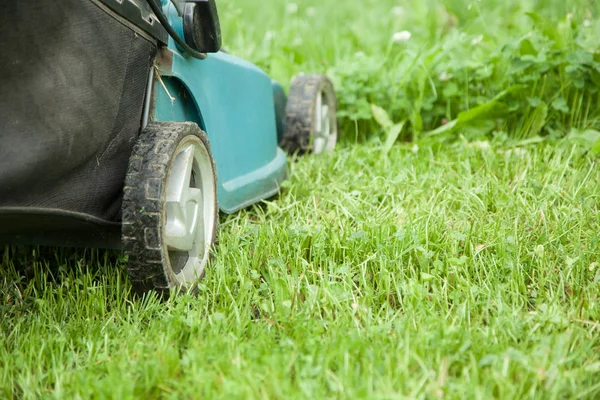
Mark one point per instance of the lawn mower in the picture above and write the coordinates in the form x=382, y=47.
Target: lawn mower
x=124, y=125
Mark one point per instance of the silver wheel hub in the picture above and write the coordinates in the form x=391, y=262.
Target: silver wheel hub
x=325, y=135
x=190, y=210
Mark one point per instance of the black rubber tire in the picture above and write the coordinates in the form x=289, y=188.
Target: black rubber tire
x=144, y=205
x=300, y=112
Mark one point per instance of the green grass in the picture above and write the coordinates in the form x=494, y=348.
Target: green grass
x=463, y=264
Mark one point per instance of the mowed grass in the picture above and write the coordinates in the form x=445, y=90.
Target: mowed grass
x=465, y=267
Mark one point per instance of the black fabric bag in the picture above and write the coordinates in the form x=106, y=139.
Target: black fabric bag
x=73, y=79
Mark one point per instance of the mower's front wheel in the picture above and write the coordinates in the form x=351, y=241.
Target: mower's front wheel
x=170, y=208
x=310, y=121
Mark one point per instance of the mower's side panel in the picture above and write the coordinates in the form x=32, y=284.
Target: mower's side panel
x=236, y=109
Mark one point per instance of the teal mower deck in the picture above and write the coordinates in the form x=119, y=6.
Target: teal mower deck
x=124, y=125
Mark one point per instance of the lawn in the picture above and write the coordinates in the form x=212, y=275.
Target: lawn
x=449, y=247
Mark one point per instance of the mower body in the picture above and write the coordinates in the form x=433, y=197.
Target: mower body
x=76, y=96
x=233, y=102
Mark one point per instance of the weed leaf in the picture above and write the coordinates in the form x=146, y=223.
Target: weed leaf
x=392, y=135
x=381, y=116
x=447, y=128
x=492, y=109
x=596, y=147
x=537, y=120
x=589, y=138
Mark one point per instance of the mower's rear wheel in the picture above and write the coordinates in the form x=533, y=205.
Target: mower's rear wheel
x=310, y=122
x=170, y=208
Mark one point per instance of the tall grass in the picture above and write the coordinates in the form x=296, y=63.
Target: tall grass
x=461, y=55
